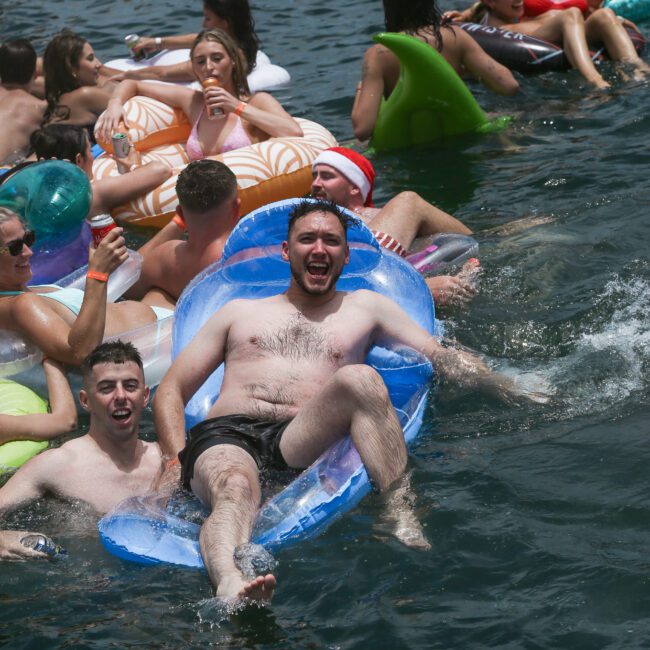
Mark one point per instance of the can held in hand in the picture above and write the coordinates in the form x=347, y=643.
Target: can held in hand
x=121, y=145
x=100, y=226
x=213, y=113
x=44, y=545
x=131, y=40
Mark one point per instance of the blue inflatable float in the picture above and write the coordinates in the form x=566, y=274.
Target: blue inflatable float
x=53, y=197
x=638, y=10
x=144, y=530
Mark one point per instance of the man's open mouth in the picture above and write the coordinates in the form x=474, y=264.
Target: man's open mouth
x=122, y=414
x=317, y=269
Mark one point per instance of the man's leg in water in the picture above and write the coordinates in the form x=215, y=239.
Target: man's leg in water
x=355, y=401
x=407, y=216
x=226, y=480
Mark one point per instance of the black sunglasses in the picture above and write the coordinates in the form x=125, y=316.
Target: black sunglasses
x=15, y=247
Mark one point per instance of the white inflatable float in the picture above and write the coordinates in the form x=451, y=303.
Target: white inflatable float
x=20, y=358
x=264, y=76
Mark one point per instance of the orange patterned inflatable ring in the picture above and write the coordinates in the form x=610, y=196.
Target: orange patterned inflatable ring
x=151, y=124
x=276, y=169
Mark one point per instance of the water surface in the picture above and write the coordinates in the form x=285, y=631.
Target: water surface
x=538, y=517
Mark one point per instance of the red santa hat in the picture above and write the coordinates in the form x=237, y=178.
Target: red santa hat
x=355, y=167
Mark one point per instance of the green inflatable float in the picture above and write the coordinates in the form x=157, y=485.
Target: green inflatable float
x=429, y=102
x=16, y=399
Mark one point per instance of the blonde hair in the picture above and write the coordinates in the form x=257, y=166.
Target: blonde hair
x=239, y=79
x=7, y=215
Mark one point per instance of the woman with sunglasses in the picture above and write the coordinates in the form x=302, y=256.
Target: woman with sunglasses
x=66, y=324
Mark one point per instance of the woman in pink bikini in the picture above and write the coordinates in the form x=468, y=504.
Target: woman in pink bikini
x=225, y=116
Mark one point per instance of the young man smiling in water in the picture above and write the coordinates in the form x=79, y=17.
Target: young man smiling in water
x=295, y=382
x=105, y=466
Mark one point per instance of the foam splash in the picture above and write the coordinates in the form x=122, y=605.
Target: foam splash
x=608, y=362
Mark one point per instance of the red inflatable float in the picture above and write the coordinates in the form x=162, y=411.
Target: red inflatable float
x=537, y=7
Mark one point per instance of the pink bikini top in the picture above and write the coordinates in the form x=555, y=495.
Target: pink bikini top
x=236, y=139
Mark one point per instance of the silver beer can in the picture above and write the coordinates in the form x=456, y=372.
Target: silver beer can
x=121, y=145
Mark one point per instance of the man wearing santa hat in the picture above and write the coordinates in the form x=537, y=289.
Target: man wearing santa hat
x=347, y=178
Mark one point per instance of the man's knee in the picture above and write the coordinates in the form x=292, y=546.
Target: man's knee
x=407, y=200
x=234, y=484
x=362, y=382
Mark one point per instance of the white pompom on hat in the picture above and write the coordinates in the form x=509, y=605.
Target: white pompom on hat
x=355, y=167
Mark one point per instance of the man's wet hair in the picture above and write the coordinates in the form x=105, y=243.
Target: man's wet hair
x=204, y=185
x=119, y=352
x=17, y=61
x=303, y=208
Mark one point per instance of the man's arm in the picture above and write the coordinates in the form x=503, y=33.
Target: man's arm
x=156, y=254
x=29, y=483
x=394, y=325
x=188, y=372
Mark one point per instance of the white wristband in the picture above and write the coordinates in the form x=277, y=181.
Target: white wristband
x=158, y=41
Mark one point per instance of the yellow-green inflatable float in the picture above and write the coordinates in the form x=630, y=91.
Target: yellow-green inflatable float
x=16, y=399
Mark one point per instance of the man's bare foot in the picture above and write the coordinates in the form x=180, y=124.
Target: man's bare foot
x=235, y=587
x=259, y=589
x=400, y=518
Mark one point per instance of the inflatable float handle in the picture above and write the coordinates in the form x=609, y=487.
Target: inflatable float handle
x=119, y=282
x=445, y=250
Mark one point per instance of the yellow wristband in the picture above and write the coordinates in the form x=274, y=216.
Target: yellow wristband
x=240, y=109
x=96, y=275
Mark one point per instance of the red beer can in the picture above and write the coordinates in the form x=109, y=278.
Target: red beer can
x=100, y=226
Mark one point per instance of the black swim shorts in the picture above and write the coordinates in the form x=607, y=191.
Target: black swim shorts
x=260, y=439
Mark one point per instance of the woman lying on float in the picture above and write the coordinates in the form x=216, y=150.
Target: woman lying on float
x=225, y=116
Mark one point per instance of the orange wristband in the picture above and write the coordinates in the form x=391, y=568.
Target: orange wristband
x=240, y=109
x=180, y=222
x=172, y=462
x=96, y=275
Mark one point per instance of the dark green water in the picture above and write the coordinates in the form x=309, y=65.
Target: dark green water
x=538, y=518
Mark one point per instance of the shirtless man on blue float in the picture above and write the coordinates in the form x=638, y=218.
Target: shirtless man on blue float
x=295, y=382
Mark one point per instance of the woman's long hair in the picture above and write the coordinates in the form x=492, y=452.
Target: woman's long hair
x=239, y=79
x=238, y=14
x=61, y=57
x=412, y=16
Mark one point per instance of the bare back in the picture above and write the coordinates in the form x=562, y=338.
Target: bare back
x=454, y=47
x=20, y=115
